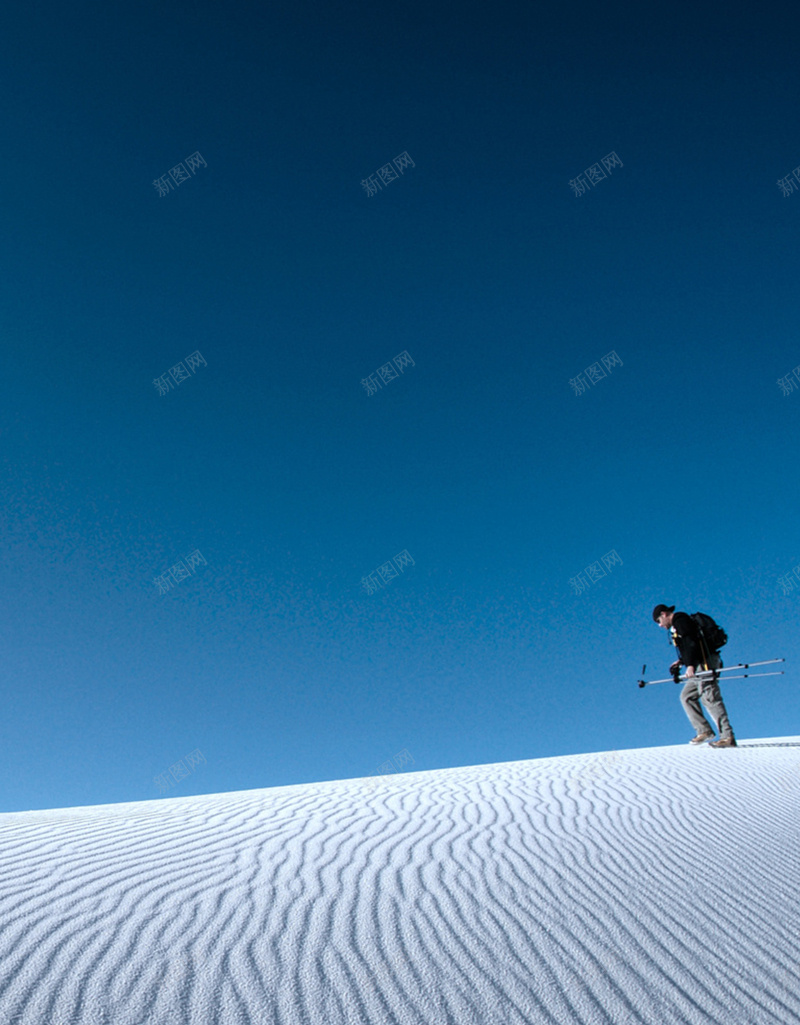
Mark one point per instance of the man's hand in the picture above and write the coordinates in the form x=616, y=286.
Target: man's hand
x=675, y=670
x=690, y=671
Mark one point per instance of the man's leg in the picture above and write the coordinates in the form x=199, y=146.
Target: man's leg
x=712, y=699
x=690, y=699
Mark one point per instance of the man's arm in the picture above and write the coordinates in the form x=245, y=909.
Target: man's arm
x=688, y=641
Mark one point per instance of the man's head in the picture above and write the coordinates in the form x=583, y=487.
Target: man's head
x=662, y=614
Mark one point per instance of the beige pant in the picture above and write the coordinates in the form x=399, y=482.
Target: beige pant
x=707, y=691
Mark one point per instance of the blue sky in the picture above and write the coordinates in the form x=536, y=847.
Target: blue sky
x=479, y=460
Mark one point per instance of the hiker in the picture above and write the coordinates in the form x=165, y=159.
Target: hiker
x=688, y=639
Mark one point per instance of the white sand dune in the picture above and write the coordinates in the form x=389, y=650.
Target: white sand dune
x=657, y=885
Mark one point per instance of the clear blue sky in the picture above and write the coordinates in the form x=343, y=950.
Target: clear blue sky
x=479, y=460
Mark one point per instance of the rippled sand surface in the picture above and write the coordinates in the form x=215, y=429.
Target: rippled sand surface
x=657, y=886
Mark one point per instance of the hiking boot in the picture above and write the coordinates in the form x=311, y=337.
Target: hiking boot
x=724, y=742
x=702, y=737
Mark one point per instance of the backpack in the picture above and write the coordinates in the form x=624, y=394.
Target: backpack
x=712, y=635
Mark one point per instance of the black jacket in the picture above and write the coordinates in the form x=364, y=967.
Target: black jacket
x=686, y=638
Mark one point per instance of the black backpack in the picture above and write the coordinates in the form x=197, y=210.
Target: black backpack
x=712, y=635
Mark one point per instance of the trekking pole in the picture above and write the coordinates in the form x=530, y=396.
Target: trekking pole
x=740, y=665
x=708, y=673
x=742, y=676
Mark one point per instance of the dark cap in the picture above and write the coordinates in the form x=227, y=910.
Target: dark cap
x=661, y=608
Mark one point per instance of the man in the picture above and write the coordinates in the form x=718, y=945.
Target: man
x=686, y=637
